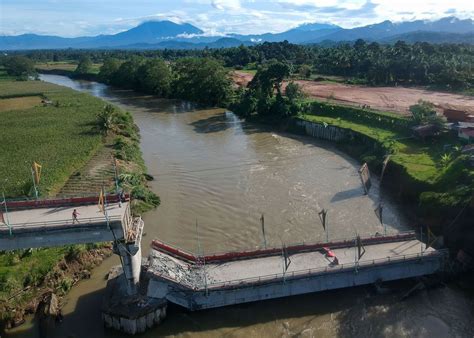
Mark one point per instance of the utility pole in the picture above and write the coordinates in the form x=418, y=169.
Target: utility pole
x=117, y=189
x=201, y=255
x=262, y=222
x=421, y=239
x=6, y=214
x=34, y=182
x=322, y=216
x=379, y=213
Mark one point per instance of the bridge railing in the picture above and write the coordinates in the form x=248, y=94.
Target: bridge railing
x=63, y=223
x=324, y=270
x=18, y=204
x=306, y=272
x=291, y=248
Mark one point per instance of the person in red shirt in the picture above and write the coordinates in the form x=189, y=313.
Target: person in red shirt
x=75, y=213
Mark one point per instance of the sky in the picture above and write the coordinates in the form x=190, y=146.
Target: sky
x=72, y=18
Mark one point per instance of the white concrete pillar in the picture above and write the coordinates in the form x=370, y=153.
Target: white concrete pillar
x=132, y=262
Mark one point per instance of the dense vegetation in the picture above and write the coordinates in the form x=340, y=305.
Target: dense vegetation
x=19, y=66
x=201, y=80
x=447, y=66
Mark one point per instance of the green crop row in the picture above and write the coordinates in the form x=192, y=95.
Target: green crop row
x=61, y=137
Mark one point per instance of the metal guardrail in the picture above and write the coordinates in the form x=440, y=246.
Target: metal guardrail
x=64, y=222
x=306, y=272
x=298, y=244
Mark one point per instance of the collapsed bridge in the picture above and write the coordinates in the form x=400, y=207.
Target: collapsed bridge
x=136, y=298
x=200, y=282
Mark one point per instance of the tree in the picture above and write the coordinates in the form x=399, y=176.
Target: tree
x=305, y=71
x=109, y=69
x=202, y=80
x=424, y=113
x=19, y=66
x=270, y=78
x=155, y=77
x=127, y=75
x=293, y=91
x=84, y=66
x=106, y=119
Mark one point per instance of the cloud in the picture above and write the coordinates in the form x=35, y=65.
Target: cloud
x=89, y=17
x=224, y=5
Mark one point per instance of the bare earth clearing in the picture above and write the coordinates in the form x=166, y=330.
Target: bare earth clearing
x=395, y=99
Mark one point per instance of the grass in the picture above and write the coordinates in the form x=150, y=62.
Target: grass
x=421, y=160
x=19, y=103
x=21, y=268
x=67, y=66
x=440, y=189
x=60, y=137
x=248, y=71
x=10, y=88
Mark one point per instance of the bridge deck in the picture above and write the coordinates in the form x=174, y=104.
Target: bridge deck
x=271, y=267
x=50, y=218
x=53, y=226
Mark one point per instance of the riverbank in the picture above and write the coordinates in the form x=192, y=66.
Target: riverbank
x=431, y=179
x=425, y=174
x=226, y=173
x=62, y=134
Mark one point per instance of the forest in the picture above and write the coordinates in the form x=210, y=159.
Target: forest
x=441, y=66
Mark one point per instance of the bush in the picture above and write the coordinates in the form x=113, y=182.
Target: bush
x=74, y=251
x=65, y=285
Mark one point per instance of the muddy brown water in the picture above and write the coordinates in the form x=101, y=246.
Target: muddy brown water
x=212, y=169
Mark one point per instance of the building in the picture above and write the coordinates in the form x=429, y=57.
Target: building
x=466, y=131
x=455, y=115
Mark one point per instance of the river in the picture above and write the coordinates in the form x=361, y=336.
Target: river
x=220, y=173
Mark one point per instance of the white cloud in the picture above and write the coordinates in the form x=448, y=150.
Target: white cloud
x=225, y=5
x=90, y=17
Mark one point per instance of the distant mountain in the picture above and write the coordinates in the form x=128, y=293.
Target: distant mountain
x=386, y=29
x=148, y=32
x=34, y=41
x=299, y=34
x=173, y=44
x=433, y=37
x=312, y=27
x=167, y=34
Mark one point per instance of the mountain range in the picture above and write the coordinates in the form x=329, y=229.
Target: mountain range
x=167, y=34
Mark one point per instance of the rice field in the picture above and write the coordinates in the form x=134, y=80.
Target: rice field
x=61, y=137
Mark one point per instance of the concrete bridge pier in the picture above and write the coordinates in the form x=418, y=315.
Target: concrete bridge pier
x=131, y=256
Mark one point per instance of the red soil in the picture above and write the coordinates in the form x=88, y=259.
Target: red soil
x=394, y=99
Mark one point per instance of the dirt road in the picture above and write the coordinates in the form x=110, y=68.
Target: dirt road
x=395, y=99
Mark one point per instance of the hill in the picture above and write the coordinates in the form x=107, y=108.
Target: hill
x=167, y=34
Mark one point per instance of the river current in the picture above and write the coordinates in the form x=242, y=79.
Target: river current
x=218, y=174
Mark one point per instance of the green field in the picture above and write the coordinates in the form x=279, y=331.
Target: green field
x=61, y=136
x=423, y=162
x=68, y=66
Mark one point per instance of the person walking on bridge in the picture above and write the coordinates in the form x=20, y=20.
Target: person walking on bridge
x=75, y=213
